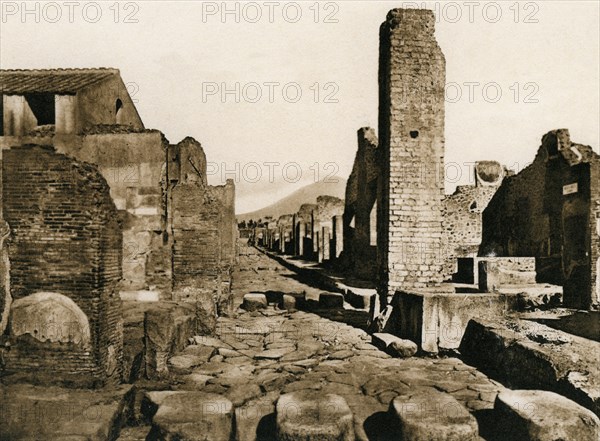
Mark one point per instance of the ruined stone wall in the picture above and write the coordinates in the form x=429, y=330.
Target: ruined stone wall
x=411, y=131
x=65, y=239
x=462, y=214
x=595, y=230
x=546, y=211
x=327, y=207
x=133, y=165
x=204, y=233
x=360, y=255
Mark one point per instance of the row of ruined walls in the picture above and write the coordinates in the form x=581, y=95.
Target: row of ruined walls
x=313, y=233
x=548, y=211
x=71, y=226
x=141, y=168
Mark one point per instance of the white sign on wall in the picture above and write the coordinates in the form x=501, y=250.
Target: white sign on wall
x=570, y=189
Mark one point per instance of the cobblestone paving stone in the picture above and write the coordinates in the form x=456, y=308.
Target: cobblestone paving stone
x=262, y=354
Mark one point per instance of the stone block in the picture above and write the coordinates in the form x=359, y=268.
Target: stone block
x=544, y=416
x=58, y=414
x=403, y=348
x=495, y=272
x=191, y=357
x=293, y=301
x=395, y=346
x=427, y=414
x=254, y=302
x=331, y=300
x=530, y=355
x=438, y=320
x=311, y=415
x=189, y=416
x=167, y=329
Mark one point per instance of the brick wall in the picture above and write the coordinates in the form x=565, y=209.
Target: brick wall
x=65, y=238
x=547, y=211
x=411, y=130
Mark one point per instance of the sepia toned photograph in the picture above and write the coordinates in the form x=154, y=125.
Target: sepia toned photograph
x=299, y=220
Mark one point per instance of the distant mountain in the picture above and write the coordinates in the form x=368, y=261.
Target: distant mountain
x=305, y=195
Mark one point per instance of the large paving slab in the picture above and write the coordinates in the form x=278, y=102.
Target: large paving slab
x=56, y=414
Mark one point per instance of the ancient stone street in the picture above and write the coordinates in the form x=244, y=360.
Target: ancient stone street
x=258, y=356
x=157, y=290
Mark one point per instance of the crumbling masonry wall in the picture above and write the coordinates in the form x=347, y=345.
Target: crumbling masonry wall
x=66, y=248
x=360, y=250
x=462, y=214
x=133, y=162
x=203, y=237
x=549, y=211
x=411, y=129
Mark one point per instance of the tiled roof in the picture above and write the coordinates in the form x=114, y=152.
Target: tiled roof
x=51, y=80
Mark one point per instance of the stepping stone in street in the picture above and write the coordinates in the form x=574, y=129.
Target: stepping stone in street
x=427, y=414
x=309, y=415
x=254, y=302
x=545, y=416
x=189, y=416
x=292, y=302
x=331, y=300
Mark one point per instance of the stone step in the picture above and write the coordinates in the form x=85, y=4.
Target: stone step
x=537, y=415
x=426, y=414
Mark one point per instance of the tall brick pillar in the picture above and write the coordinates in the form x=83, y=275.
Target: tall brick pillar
x=411, y=128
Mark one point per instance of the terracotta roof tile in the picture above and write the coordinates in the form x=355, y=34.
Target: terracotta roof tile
x=58, y=81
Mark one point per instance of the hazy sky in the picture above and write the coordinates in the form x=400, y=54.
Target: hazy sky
x=177, y=57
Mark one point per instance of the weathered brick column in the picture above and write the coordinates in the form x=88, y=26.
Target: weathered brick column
x=411, y=128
